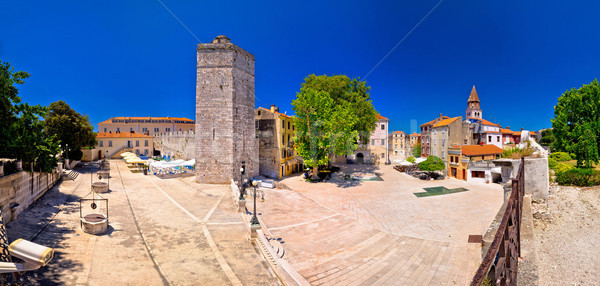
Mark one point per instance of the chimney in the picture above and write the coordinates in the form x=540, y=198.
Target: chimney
x=521, y=128
x=508, y=127
x=441, y=116
x=131, y=131
x=272, y=107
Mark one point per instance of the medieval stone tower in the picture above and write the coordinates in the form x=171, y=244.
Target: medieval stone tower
x=225, y=132
x=473, y=105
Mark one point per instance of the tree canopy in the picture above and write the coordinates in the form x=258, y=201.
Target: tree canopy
x=70, y=128
x=22, y=134
x=576, y=123
x=416, y=150
x=432, y=163
x=331, y=113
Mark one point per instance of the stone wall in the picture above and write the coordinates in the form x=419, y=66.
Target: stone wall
x=225, y=134
x=267, y=145
x=89, y=155
x=178, y=145
x=24, y=188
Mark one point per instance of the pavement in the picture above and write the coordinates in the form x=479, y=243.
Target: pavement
x=378, y=232
x=161, y=232
x=178, y=232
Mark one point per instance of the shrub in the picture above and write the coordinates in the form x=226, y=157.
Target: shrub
x=432, y=163
x=552, y=163
x=516, y=152
x=411, y=159
x=579, y=177
x=561, y=156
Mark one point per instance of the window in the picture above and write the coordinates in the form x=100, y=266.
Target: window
x=382, y=126
x=156, y=129
x=477, y=174
x=145, y=151
x=434, y=142
x=130, y=129
x=282, y=124
x=396, y=146
x=109, y=143
x=489, y=138
x=137, y=151
x=101, y=143
x=382, y=142
x=443, y=142
x=258, y=112
x=128, y=143
x=283, y=139
x=288, y=139
x=372, y=142
x=146, y=143
x=118, y=129
x=434, y=152
x=144, y=129
x=104, y=130
x=137, y=143
x=288, y=125
x=497, y=138
x=167, y=129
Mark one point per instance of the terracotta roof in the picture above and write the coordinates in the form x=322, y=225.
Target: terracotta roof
x=379, y=117
x=399, y=132
x=485, y=122
x=479, y=150
x=433, y=121
x=473, y=96
x=445, y=122
x=508, y=131
x=415, y=134
x=122, y=135
x=283, y=114
x=148, y=118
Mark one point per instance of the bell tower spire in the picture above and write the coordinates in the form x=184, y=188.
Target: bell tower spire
x=473, y=105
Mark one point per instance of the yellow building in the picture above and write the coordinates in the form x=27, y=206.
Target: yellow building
x=146, y=125
x=112, y=144
x=275, y=130
x=472, y=162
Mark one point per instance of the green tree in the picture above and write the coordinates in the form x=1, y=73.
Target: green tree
x=432, y=163
x=547, y=137
x=9, y=98
x=70, y=128
x=577, y=119
x=22, y=133
x=352, y=93
x=416, y=150
x=324, y=128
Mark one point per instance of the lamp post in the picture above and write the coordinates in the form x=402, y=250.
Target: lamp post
x=242, y=189
x=254, y=220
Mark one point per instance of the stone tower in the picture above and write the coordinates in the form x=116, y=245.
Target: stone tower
x=225, y=132
x=473, y=105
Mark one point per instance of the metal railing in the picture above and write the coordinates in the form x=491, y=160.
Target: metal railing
x=501, y=262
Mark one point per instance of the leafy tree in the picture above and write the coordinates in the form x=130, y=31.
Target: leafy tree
x=324, y=128
x=576, y=123
x=432, y=163
x=9, y=98
x=22, y=133
x=547, y=137
x=416, y=150
x=70, y=128
x=411, y=159
x=351, y=92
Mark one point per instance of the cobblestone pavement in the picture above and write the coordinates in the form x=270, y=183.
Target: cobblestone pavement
x=161, y=232
x=378, y=232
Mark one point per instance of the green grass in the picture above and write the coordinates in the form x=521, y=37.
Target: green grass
x=436, y=191
x=574, y=164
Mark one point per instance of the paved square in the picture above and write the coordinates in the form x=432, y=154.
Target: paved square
x=379, y=232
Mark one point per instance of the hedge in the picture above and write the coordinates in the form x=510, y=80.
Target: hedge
x=561, y=156
x=432, y=163
x=579, y=177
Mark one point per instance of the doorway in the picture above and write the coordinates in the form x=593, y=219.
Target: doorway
x=360, y=158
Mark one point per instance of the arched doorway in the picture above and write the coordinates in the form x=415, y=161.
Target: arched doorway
x=360, y=158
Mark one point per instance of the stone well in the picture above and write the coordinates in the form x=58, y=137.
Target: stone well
x=100, y=187
x=94, y=223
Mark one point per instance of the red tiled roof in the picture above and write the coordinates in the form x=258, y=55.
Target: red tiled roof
x=485, y=122
x=480, y=150
x=445, y=122
x=415, y=134
x=433, y=121
x=122, y=135
x=399, y=132
x=148, y=118
x=379, y=117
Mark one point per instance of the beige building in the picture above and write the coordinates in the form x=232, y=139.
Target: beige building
x=112, y=144
x=413, y=140
x=277, y=157
x=398, y=143
x=146, y=125
x=451, y=131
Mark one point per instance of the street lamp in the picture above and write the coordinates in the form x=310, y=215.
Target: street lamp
x=254, y=220
x=242, y=184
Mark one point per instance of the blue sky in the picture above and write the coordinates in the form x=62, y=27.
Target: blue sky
x=133, y=58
